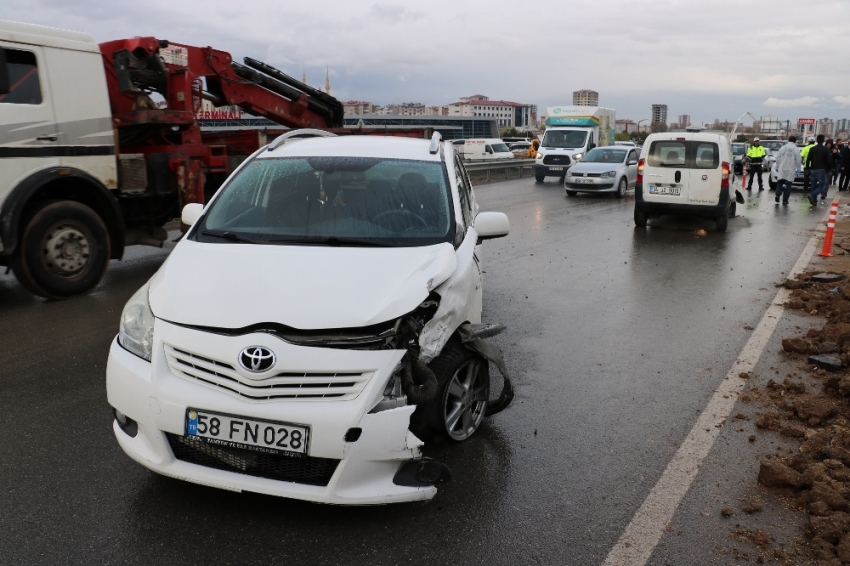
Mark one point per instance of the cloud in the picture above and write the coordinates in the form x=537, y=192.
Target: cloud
x=844, y=101
x=393, y=12
x=791, y=102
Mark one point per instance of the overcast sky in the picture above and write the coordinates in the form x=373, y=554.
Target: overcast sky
x=707, y=58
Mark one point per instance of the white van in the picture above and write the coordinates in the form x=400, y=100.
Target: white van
x=483, y=149
x=685, y=173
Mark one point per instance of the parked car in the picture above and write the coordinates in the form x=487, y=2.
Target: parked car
x=519, y=149
x=315, y=325
x=772, y=147
x=685, y=173
x=739, y=153
x=608, y=169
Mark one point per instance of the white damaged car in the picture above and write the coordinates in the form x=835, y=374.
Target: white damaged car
x=319, y=321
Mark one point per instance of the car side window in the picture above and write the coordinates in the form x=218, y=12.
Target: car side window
x=25, y=87
x=464, y=192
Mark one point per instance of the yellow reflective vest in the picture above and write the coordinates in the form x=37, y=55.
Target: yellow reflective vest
x=805, y=152
x=756, y=153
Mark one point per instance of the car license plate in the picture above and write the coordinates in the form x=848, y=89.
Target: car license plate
x=556, y=169
x=674, y=191
x=252, y=434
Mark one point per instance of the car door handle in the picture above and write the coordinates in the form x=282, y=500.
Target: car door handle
x=47, y=137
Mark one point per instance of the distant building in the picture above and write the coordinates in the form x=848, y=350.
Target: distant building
x=627, y=126
x=585, y=98
x=826, y=127
x=358, y=107
x=659, y=114
x=684, y=120
x=507, y=114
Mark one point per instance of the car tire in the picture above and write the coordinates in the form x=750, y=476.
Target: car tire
x=733, y=209
x=457, y=412
x=772, y=184
x=538, y=177
x=722, y=222
x=640, y=218
x=63, y=251
x=571, y=193
x=622, y=188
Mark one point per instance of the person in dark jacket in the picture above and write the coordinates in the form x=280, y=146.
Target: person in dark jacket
x=819, y=161
x=844, y=167
x=836, y=160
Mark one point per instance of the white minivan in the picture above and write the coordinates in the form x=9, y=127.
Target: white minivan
x=685, y=173
x=483, y=149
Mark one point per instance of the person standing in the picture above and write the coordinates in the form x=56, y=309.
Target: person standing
x=819, y=161
x=788, y=161
x=844, y=167
x=807, y=185
x=755, y=157
x=836, y=160
x=828, y=144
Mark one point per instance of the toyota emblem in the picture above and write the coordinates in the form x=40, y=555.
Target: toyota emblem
x=256, y=359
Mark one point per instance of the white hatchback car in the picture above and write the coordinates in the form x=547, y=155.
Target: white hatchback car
x=320, y=319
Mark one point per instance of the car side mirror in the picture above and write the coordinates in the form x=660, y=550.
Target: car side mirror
x=632, y=162
x=191, y=213
x=491, y=225
x=591, y=146
x=5, y=82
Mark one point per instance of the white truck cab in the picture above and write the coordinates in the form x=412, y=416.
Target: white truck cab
x=571, y=131
x=54, y=138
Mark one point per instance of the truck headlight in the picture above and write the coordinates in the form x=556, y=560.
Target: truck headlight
x=539, y=156
x=578, y=156
x=136, y=330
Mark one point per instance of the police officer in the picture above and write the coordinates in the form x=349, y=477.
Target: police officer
x=806, y=173
x=755, y=156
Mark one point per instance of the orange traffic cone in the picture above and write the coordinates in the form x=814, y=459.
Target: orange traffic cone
x=830, y=229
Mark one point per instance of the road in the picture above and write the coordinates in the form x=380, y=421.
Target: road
x=617, y=337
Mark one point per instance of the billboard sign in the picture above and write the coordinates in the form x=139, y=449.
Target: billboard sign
x=806, y=121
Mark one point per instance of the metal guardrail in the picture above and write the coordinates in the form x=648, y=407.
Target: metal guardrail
x=505, y=165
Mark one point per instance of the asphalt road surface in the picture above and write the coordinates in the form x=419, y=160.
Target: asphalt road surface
x=617, y=337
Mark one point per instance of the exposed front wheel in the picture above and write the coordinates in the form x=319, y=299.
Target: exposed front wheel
x=733, y=209
x=463, y=387
x=771, y=183
x=640, y=218
x=571, y=193
x=622, y=188
x=539, y=177
x=64, y=251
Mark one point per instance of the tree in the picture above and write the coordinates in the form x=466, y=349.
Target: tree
x=741, y=138
x=622, y=136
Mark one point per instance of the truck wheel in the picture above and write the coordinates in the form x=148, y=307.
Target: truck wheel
x=640, y=218
x=539, y=177
x=733, y=209
x=463, y=387
x=64, y=251
x=571, y=193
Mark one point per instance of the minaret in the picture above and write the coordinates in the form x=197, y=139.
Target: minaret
x=304, y=76
x=327, y=81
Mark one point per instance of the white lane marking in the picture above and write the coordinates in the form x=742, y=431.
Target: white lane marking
x=642, y=534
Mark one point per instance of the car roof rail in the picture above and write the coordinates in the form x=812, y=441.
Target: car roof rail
x=298, y=134
x=436, y=139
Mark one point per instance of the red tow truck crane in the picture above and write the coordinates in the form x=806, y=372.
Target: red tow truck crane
x=101, y=146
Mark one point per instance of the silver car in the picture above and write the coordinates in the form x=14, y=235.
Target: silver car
x=608, y=169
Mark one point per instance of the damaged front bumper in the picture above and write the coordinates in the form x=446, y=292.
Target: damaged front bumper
x=355, y=456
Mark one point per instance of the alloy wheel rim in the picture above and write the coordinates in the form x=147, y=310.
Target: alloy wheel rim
x=465, y=401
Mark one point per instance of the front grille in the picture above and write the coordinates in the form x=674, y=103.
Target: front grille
x=283, y=385
x=306, y=470
x=587, y=174
x=556, y=160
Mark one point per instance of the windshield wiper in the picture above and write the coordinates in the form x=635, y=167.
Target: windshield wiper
x=231, y=236
x=335, y=241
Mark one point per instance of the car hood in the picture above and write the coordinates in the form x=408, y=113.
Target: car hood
x=594, y=167
x=305, y=287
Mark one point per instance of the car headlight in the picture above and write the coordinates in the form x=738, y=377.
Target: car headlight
x=578, y=156
x=608, y=174
x=136, y=330
x=539, y=156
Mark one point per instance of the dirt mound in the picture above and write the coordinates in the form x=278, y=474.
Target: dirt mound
x=815, y=480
